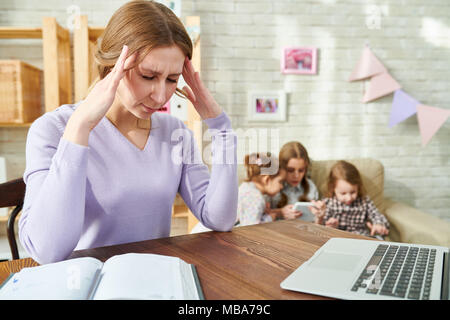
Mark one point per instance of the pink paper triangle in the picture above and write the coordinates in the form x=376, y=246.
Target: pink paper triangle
x=380, y=86
x=430, y=120
x=367, y=66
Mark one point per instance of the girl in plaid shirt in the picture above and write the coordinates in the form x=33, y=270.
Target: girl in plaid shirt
x=346, y=206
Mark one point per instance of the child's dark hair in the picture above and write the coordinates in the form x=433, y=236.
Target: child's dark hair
x=261, y=163
x=290, y=150
x=343, y=170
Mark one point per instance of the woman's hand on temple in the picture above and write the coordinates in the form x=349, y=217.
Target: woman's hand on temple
x=97, y=103
x=198, y=94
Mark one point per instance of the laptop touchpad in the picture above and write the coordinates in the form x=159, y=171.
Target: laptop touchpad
x=335, y=261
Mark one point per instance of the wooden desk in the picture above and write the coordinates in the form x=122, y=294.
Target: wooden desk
x=248, y=263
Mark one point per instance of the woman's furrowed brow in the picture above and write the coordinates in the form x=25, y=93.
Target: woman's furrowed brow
x=158, y=72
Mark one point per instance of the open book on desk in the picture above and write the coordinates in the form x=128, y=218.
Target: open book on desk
x=126, y=276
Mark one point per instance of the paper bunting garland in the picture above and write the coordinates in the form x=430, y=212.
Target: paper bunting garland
x=403, y=107
x=430, y=120
x=368, y=65
x=380, y=86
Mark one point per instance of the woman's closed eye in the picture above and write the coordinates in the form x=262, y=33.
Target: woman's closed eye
x=153, y=77
x=148, y=77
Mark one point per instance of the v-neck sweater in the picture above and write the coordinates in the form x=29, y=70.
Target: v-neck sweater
x=111, y=192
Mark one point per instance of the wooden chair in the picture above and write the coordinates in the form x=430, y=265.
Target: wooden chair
x=12, y=194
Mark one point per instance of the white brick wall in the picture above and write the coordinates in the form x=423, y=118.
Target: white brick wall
x=241, y=48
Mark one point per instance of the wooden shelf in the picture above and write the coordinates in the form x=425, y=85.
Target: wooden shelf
x=56, y=56
x=20, y=33
x=84, y=45
x=14, y=125
x=180, y=211
x=95, y=32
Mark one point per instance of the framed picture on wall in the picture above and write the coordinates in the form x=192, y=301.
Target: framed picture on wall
x=299, y=60
x=267, y=106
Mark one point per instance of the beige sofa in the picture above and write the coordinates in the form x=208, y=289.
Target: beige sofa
x=406, y=223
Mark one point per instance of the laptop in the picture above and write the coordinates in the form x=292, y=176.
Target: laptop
x=374, y=270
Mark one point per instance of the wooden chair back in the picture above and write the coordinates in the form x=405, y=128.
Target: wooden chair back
x=12, y=194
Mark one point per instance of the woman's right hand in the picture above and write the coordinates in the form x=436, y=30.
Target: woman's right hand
x=89, y=113
x=289, y=213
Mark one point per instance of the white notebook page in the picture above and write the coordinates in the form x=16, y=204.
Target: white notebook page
x=140, y=276
x=69, y=279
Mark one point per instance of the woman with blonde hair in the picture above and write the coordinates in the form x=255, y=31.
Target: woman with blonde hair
x=106, y=170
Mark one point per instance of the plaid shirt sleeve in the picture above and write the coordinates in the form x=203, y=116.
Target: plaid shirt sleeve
x=374, y=215
x=330, y=210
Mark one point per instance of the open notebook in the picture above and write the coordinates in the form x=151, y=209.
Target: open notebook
x=127, y=276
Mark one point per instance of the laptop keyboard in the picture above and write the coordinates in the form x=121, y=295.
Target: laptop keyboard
x=398, y=271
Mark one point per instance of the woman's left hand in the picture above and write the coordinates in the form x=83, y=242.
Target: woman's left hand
x=198, y=94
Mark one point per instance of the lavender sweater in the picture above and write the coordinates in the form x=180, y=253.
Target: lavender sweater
x=112, y=192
